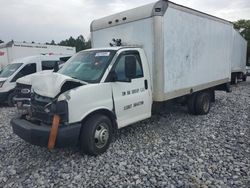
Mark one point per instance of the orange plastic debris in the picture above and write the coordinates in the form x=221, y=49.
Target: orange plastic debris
x=53, y=132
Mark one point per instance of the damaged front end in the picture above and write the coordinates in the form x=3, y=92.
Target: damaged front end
x=49, y=102
x=47, y=97
x=40, y=128
x=43, y=109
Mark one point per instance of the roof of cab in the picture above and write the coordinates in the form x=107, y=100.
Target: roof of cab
x=115, y=48
x=30, y=59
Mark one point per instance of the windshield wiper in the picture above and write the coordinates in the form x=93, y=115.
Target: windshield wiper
x=79, y=80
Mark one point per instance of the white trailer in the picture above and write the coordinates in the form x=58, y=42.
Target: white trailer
x=13, y=50
x=239, y=53
x=186, y=49
x=160, y=51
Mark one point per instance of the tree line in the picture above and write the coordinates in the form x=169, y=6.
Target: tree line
x=79, y=43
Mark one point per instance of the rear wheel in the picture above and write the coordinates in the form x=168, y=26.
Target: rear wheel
x=202, y=103
x=96, y=135
x=244, y=78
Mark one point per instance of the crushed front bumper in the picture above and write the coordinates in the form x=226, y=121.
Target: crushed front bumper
x=68, y=135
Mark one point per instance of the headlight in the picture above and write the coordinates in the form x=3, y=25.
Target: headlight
x=60, y=108
x=62, y=97
x=1, y=83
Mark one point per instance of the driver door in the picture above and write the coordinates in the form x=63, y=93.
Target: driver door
x=131, y=96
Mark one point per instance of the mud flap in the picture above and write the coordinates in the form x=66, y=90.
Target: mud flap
x=53, y=132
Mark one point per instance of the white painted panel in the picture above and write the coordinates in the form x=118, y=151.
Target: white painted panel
x=123, y=17
x=196, y=50
x=134, y=33
x=24, y=50
x=19, y=50
x=239, y=53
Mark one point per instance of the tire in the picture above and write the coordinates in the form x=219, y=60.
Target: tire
x=10, y=101
x=236, y=80
x=96, y=135
x=244, y=78
x=202, y=103
x=191, y=104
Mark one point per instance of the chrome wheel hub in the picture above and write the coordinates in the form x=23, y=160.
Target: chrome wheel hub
x=101, y=135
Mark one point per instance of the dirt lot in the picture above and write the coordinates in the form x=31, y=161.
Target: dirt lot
x=172, y=149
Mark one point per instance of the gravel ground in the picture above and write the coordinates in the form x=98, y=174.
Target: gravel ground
x=172, y=149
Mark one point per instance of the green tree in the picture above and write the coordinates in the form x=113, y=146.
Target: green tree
x=52, y=42
x=80, y=43
x=1, y=41
x=243, y=26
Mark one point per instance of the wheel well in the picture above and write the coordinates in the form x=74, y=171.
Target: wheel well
x=105, y=112
x=12, y=91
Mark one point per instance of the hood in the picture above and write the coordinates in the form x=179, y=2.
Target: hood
x=27, y=79
x=50, y=84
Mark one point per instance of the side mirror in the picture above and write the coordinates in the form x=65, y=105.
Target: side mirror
x=130, y=67
x=56, y=67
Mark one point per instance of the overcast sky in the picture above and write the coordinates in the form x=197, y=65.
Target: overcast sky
x=44, y=20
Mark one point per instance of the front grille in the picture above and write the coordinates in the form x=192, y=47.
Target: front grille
x=40, y=101
x=18, y=90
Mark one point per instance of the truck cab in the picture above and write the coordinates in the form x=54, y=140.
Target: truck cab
x=109, y=88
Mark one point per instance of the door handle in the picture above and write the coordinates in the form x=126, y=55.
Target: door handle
x=146, y=84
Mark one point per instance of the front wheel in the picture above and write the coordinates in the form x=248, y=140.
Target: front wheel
x=96, y=135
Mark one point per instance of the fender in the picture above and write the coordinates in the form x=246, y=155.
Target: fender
x=104, y=111
x=87, y=99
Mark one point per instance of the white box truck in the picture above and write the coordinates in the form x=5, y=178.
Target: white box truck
x=160, y=51
x=239, y=53
x=13, y=50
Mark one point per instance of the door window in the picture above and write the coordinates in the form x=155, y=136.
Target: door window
x=26, y=70
x=120, y=66
x=48, y=65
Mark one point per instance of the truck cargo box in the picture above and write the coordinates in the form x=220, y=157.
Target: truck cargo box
x=239, y=52
x=187, y=50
